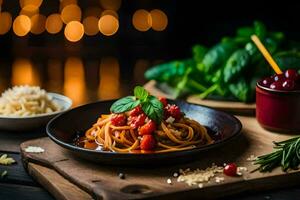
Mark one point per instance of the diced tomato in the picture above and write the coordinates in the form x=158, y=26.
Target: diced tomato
x=136, y=111
x=148, y=142
x=118, y=120
x=163, y=100
x=173, y=111
x=137, y=121
x=148, y=128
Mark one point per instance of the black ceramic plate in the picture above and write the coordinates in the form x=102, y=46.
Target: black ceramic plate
x=64, y=128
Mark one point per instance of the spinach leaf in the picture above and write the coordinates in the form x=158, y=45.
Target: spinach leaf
x=241, y=90
x=216, y=56
x=199, y=52
x=237, y=62
x=140, y=93
x=245, y=32
x=260, y=30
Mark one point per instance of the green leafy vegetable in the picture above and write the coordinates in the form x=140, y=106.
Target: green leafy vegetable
x=288, y=60
x=125, y=104
x=241, y=90
x=286, y=156
x=152, y=107
x=199, y=52
x=260, y=29
x=237, y=62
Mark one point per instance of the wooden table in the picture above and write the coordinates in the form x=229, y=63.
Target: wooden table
x=18, y=185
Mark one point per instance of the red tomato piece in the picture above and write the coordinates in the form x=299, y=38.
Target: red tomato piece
x=148, y=128
x=163, y=100
x=148, y=142
x=118, y=120
x=137, y=121
x=174, y=111
x=136, y=111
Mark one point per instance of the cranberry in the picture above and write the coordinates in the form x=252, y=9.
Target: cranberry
x=137, y=121
x=136, y=111
x=148, y=128
x=279, y=77
x=174, y=111
x=288, y=84
x=277, y=85
x=148, y=142
x=164, y=101
x=267, y=82
x=118, y=120
x=291, y=74
x=230, y=169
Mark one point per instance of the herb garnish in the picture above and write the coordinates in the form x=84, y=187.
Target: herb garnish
x=286, y=155
x=152, y=107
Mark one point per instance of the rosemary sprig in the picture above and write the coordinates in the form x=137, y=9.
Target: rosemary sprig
x=286, y=156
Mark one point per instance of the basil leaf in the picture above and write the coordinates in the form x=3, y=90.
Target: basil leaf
x=153, y=108
x=140, y=93
x=124, y=104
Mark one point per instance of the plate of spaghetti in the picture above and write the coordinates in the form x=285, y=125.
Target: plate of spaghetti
x=141, y=129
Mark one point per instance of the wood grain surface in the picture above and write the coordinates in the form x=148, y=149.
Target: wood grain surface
x=234, y=107
x=102, y=182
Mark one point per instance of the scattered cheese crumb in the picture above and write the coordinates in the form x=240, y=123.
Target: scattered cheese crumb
x=169, y=181
x=198, y=176
x=175, y=174
x=4, y=160
x=200, y=185
x=219, y=179
x=251, y=158
x=170, y=120
x=3, y=174
x=240, y=170
x=33, y=149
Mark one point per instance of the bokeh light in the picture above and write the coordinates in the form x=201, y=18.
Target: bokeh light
x=71, y=13
x=64, y=3
x=159, y=20
x=22, y=25
x=109, y=74
x=23, y=73
x=110, y=4
x=38, y=24
x=29, y=10
x=74, y=31
x=91, y=25
x=74, y=81
x=5, y=22
x=108, y=25
x=54, y=23
x=141, y=20
x=110, y=12
x=36, y=3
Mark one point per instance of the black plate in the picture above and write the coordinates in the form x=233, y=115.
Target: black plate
x=64, y=128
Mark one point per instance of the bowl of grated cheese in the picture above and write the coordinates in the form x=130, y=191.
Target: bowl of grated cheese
x=24, y=107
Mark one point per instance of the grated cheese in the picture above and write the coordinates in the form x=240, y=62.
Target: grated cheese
x=199, y=176
x=170, y=120
x=5, y=160
x=34, y=149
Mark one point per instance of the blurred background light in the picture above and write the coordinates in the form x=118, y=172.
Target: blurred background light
x=90, y=24
x=141, y=20
x=23, y=73
x=110, y=12
x=74, y=31
x=74, y=80
x=159, y=20
x=108, y=25
x=70, y=13
x=36, y=3
x=5, y=22
x=29, y=10
x=110, y=4
x=22, y=25
x=109, y=74
x=54, y=23
x=38, y=22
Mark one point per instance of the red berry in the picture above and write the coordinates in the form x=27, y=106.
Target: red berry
x=230, y=169
x=164, y=101
x=148, y=142
x=118, y=120
x=148, y=128
x=174, y=111
x=136, y=121
x=291, y=74
x=279, y=77
x=136, y=111
x=288, y=85
x=277, y=85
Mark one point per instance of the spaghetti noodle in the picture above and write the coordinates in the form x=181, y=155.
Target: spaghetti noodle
x=134, y=132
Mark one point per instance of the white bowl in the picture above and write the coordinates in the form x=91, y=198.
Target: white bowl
x=34, y=122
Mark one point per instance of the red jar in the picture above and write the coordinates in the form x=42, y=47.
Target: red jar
x=278, y=110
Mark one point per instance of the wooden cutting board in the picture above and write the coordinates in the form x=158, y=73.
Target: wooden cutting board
x=229, y=106
x=68, y=177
